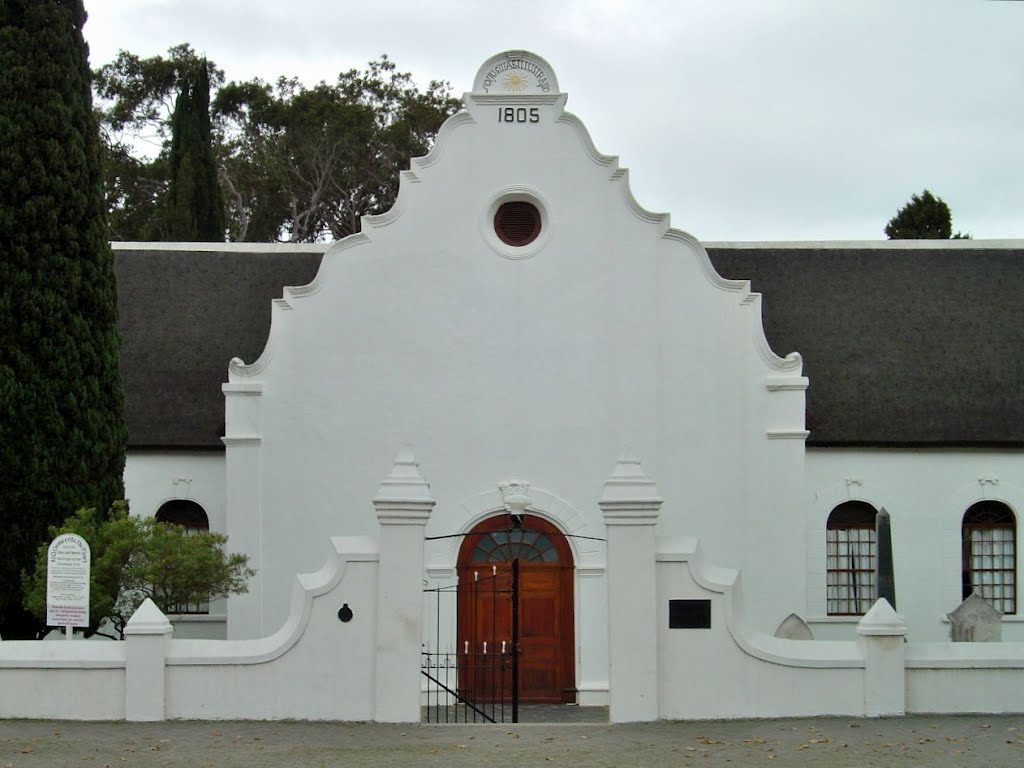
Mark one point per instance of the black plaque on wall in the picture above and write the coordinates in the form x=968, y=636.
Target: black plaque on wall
x=689, y=614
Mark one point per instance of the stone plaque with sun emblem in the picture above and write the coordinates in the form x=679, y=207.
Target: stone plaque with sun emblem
x=515, y=73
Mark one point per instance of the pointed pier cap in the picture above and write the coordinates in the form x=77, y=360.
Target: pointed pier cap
x=882, y=619
x=630, y=495
x=148, y=620
x=403, y=496
x=629, y=482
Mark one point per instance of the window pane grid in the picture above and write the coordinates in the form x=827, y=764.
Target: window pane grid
x=505, y=546
x=989, y=555
x=203, y=607
x=850, y=562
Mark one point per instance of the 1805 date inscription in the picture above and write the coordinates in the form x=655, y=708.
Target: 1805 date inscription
x=518, y=115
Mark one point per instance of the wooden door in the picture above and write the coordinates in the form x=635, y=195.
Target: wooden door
x=485, y=632
x=541, y=634
x=545, y=601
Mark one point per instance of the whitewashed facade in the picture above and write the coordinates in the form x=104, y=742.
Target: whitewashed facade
x=551, y=355
x=926, y=491
x=608, y=333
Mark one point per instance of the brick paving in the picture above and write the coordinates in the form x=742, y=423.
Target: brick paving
x=937, y=742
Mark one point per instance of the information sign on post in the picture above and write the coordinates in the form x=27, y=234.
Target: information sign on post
x=67, y=582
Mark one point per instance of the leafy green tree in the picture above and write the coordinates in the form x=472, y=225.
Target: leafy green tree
x=195, y=210
x=62, y=433
x=294, y=163
x=925, y=217
x=137, y=98
x=135, y=558
x=293, y=158
x=111, y=539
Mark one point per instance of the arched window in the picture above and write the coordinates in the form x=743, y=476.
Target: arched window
x=505, y=546
x=193, y=519
x=850, y=552
x=185, y=513
x=989, y=546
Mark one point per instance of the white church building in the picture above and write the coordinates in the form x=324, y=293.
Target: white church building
x=543, y=345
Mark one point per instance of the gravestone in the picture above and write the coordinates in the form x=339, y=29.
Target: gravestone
x=975, y=621
x=794, y=628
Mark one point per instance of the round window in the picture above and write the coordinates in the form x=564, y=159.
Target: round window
x=517, y=223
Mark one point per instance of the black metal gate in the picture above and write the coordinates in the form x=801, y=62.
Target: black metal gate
x=472, y=672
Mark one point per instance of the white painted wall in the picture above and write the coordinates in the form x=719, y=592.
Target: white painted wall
x=925, y=490
x=319, y=668
x=732, y=670
x=313, y=668
x=964, y=677
x=705, y=674
x=541, y=365
x=926, y=493
x=152, y=478
x=55, y=693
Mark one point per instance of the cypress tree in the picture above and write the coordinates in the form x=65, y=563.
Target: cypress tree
x=195, y=210
x=62, y=434
x=925, y=217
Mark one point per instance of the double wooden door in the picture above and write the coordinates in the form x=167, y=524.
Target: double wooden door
x=528, y=613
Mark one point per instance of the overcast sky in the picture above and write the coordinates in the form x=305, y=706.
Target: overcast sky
x=743, y=119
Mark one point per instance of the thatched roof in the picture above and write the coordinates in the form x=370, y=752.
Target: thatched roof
x=183, y=315
x=904, y=346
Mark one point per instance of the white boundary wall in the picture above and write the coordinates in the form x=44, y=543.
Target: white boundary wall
x=731, y=671
x=314, y=667
x=318, y=668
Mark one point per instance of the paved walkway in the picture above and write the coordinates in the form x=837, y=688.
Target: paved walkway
x=936, y=742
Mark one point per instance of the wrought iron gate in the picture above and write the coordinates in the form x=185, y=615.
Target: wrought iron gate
x=472, y=671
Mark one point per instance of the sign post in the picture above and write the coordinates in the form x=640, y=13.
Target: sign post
x=67, y=583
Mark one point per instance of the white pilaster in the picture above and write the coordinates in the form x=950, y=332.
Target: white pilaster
x=631, y=504
x=592, y=608
x=244, y=513
x=147, y=635
x=403, y=504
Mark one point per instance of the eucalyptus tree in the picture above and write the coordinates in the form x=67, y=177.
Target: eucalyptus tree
x=295, y=162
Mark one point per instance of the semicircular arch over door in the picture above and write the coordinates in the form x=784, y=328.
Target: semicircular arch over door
x=547, y=667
